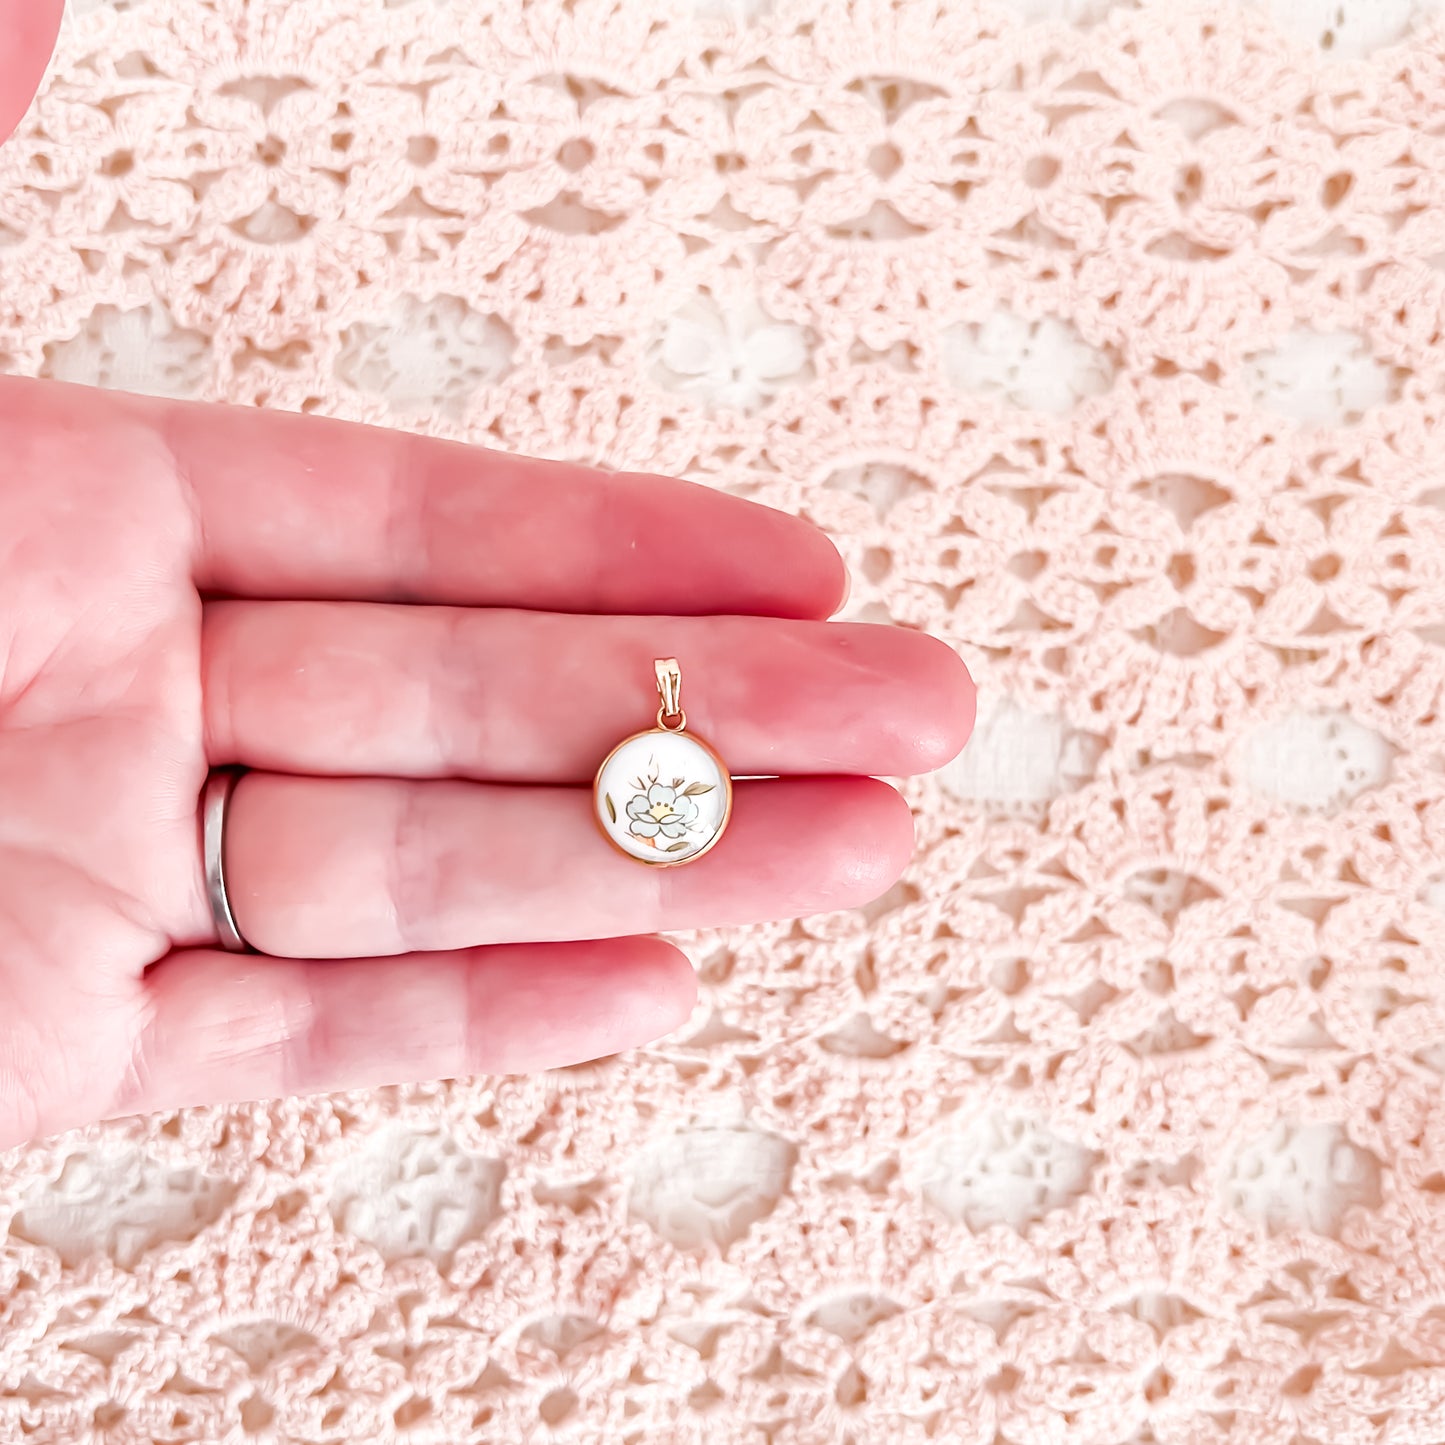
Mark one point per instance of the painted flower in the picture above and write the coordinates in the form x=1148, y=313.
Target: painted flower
x=663, y=810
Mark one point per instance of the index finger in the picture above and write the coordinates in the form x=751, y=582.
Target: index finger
x=302, y=507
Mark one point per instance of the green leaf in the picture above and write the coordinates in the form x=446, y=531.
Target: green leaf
x=696, y=790
x=676, y=847
x=611, y=807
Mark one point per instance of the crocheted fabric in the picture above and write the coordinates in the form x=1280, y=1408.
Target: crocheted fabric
x=1106, y=338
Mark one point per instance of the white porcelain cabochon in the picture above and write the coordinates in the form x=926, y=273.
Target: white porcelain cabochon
x=669, y=797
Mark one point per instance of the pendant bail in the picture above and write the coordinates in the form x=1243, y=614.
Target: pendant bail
x=669, y=689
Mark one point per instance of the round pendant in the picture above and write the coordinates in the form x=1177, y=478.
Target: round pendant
x=663, y=796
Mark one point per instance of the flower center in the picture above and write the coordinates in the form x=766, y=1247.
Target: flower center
x=659, y=811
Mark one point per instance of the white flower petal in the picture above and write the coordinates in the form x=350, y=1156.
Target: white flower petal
x=691, y=348
x=776, y=351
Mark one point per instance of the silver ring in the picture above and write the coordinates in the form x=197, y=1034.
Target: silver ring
x=214, y=803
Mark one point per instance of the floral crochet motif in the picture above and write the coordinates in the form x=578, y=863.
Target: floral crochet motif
x=1105, y=337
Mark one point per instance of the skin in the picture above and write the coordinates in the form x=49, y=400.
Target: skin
x=29, y=28
x=423, y=651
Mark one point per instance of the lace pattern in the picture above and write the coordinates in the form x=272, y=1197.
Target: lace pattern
x=1106, y=338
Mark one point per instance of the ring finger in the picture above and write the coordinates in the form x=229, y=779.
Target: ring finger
x=323, y=868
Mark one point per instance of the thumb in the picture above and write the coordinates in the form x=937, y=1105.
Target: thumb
x=27, y=36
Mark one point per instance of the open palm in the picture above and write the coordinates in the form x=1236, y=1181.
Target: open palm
x=423, y=652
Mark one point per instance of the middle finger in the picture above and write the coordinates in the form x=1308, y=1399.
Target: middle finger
x=366, y=689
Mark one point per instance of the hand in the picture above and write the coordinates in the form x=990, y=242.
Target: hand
x=27, y=36
x=416, y=847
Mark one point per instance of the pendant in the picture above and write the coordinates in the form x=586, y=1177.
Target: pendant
x=664, y=796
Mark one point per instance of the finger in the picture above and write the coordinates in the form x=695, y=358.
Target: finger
x=297, y=507
x=224, y=1028
x=352, y=688
x=27, y=37
x=323, y=869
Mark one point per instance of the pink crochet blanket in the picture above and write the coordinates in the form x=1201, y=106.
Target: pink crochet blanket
x=1107, y=340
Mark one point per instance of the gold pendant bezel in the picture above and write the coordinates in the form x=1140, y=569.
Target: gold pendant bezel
x=663, y=861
